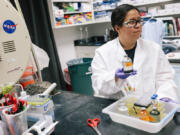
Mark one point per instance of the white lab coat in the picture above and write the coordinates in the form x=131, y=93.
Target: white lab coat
x=154, y=73
x=153, y=30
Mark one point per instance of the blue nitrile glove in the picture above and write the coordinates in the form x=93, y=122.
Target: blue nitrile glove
x=166, y=99
x=120, y=74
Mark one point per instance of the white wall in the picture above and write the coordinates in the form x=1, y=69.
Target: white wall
x=65, y=37
x=64, y=41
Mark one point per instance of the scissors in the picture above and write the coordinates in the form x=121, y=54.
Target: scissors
x=94, y=123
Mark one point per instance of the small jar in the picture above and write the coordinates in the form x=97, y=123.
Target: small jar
x=155, y=114
x=122, y=108
x=144, y=115
x=127, y=64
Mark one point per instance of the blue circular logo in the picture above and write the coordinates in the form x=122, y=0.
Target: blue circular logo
x=9, y=26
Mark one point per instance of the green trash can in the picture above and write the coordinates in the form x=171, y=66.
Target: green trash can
x=80, y=74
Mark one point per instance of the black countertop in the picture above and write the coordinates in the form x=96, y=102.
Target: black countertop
x=174, y=60
x=92, y=41
x=72, y=111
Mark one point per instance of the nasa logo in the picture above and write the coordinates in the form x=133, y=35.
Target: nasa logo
x=9, y=26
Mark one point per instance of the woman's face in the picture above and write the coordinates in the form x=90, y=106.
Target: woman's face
x=132, y=26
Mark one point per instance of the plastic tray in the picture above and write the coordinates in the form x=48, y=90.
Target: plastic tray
x=170, y=110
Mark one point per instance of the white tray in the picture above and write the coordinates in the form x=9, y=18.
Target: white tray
x=170, y=110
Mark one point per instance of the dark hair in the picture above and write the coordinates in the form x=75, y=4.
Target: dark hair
x=118, y=16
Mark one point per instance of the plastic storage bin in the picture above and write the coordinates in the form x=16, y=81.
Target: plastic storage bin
x=80, y=75
x=112, y=111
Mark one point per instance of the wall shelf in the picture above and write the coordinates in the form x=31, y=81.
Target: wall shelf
x=76, y=12
x=94, y=21
x=151, y=3
x=102, y=21
x=106, y=21
x=72, y=25
x=98, y=10
x=163, y=15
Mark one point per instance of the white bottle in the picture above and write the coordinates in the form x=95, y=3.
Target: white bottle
x=81, y=35
x=87, y=34
x=23, y=95
x=106, y=35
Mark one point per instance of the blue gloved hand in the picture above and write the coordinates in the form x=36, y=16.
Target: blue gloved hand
x=120, y=74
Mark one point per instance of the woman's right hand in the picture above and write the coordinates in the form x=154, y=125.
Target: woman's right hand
x=121, y=75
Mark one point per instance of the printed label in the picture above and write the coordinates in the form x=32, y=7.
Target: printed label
x=128, y=64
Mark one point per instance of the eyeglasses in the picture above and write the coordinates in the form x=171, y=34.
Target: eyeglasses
x=133, y=23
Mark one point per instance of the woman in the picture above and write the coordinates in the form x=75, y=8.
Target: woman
x=154, y=73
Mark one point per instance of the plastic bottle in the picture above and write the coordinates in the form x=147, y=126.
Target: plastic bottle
x=23, y=95
x=81, y=35
x=143, y=114
x=87, y=34
x=154, y=100
x=106, y=35
x=127, y=64
x=155, y=114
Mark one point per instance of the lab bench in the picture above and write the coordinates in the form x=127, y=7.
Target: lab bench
x=72, y=111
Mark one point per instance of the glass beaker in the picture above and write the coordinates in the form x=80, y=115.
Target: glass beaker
x=122, y=108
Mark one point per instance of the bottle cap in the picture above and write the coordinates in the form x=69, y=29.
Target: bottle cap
x=143, y=108
x=23, y=94
x=154, y=96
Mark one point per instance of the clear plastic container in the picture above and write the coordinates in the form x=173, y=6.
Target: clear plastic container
x=132, y=121
x=17, y=123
